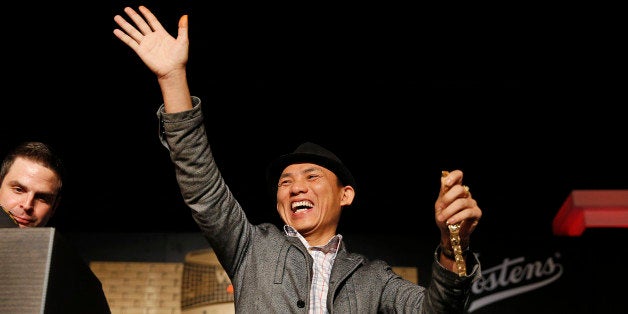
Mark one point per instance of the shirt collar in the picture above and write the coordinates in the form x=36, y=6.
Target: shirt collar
x=331, y=247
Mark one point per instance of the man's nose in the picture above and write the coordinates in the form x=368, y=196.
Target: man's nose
x=298, y=186
x=28, y=201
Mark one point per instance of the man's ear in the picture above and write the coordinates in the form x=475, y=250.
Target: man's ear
x=347, y=195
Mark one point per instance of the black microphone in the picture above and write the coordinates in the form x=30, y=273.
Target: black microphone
x=7, y=220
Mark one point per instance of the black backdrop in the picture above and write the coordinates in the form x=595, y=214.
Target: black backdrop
x=398, y=96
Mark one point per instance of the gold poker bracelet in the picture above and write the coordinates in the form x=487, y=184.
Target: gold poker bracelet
x=454, y=237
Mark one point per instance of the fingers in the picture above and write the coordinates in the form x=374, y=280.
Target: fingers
x=444, y=175
x=183, y=27
x=460, y=210
x=152, y=20
x=143, y=25
x=450, y=189
x=129, y=35
x=449, y=179
x=454, y=199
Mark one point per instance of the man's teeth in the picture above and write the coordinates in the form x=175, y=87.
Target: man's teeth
x=301, y=206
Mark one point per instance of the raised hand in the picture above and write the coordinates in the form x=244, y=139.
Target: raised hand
x=163, y=54
x=455, y=205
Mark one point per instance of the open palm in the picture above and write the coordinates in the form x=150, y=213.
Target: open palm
x=160, y=51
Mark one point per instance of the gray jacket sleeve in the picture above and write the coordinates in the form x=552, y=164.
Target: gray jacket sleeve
x=215, y=210
x=450, y=290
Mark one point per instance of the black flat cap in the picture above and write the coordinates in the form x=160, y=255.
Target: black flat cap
x=309, y=152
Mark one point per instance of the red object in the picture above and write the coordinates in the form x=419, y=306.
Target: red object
x=591, y=209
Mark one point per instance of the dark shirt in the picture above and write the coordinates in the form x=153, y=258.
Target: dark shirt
x=7, y=221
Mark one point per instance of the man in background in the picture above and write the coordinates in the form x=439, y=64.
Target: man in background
x=31, y=182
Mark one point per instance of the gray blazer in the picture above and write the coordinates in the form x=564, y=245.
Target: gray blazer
x=270, y=271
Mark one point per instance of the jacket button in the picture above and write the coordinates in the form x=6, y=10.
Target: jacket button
x=301, y=304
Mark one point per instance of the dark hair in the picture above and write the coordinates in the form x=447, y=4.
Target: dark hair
x=38, y=152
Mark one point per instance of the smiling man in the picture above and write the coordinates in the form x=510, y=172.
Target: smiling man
x=31, y=181
x=304, y=265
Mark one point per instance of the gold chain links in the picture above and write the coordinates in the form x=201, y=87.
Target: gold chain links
x=454, y=237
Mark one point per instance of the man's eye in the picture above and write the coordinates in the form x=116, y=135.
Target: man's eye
x=46, y=200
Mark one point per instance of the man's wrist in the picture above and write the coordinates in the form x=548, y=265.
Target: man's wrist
x=449, y=253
